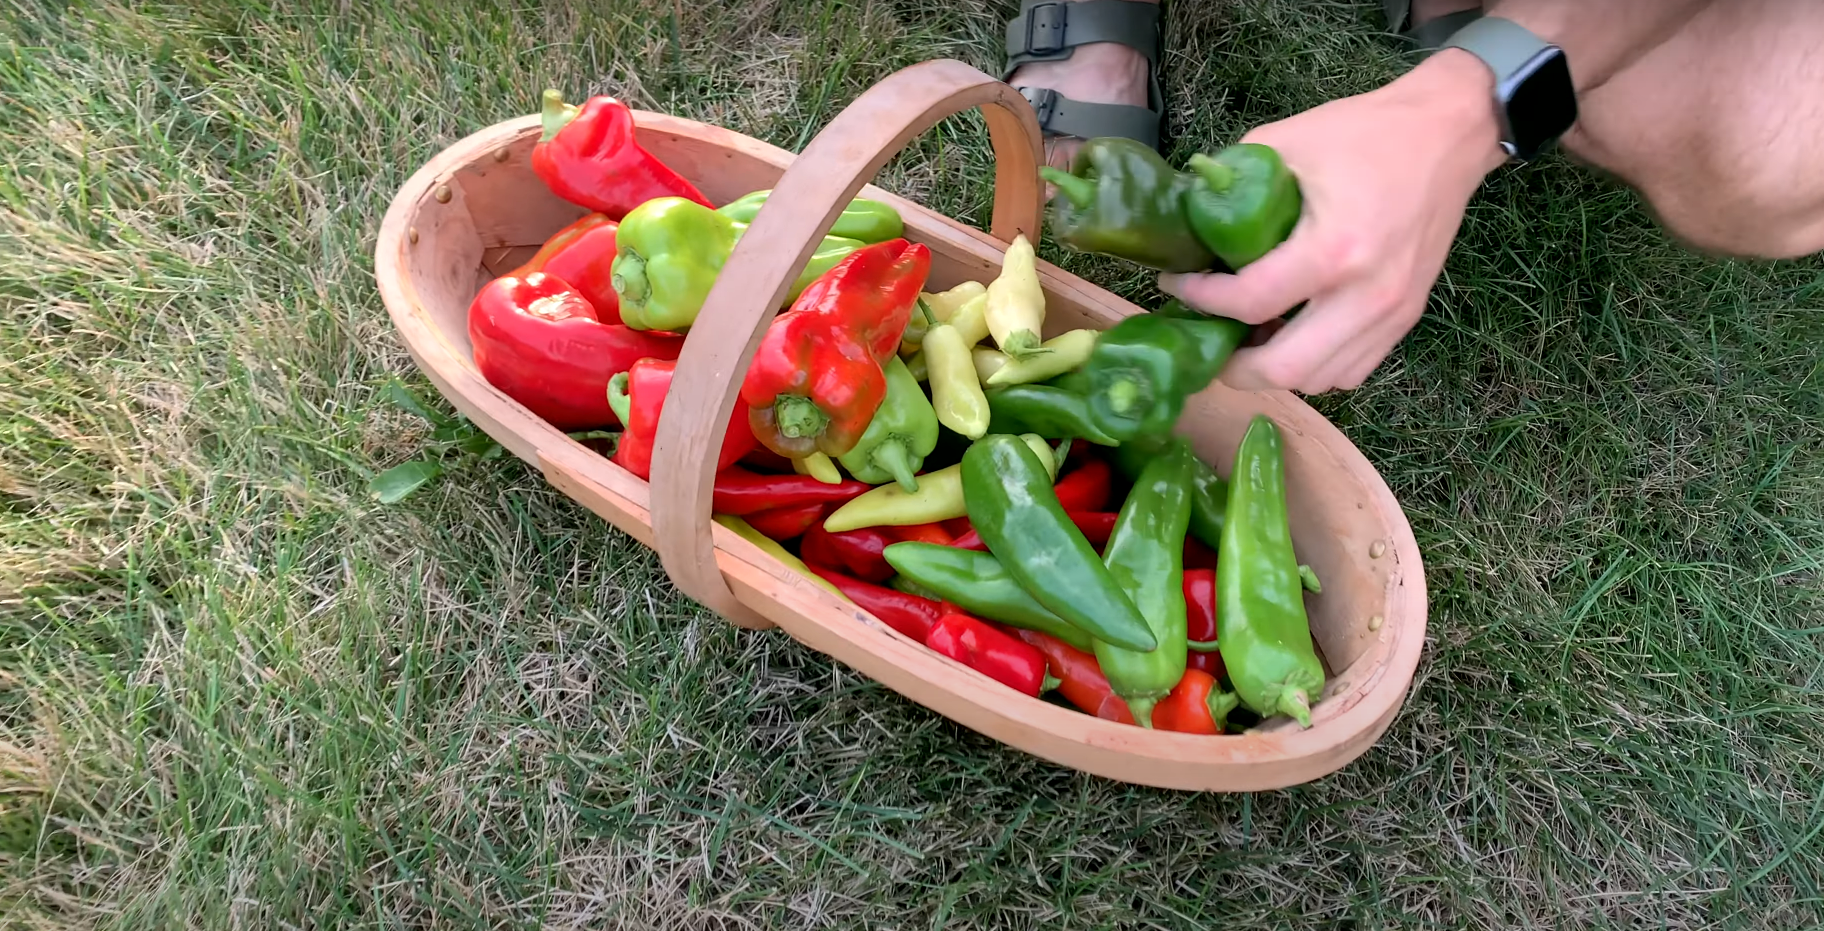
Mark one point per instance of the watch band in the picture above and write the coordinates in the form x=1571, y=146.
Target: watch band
x=1504, y=45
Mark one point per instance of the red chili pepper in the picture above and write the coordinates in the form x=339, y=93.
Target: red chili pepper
x=787, y=522
x=766, y=460
x=957, y=526
x=583, y=255
x=1200, y=622
x=638, y=399
x=1086, y=489
x=912, y=615
x=1196, y=705
x=588, y=155
x=987, y=650
x=1096, y=526
x=1197, y=555
x=739, y=492
x=1080, y=678
x=816, y=379
x=921, y=533
x=857, y=551
x=540, y=343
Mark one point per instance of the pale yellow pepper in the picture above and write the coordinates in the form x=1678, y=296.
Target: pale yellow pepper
x=1016, y=303
x=1060, y=354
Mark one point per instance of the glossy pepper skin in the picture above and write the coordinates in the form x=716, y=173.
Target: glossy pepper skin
x=901, y=434
x=860, y=553
x=1122, y=199
x=1196, y=705
x=1088, y=487
x=980, y=585
x=816, y=379
x=540, y=343
x=1143, y=368
x=1263, y=631
x=785, y=523
x=1200, y=621
x=939, y=497
x=583, y=255
x=740, y=492
x=1242, y=202
x=863, y=220
x=1053, y=413
x=999, y=656
x=1014, y=507
x=912, y=615
x=1210, y=497
x=1145, y=556
x=588, y=155
x=1096, y=527
x=637, y=397
x=1080, y=680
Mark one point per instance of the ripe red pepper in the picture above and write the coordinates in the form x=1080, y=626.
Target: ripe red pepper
x=583, y=255
x=1085, y=489
x=988, y=650
x=1200, y=621
x=921, y=533
x=1080, y=678
x=912, y=615
x=638, y=399
x=788, y=522
x=859, y=552
x=1196, y=705
x=588, y=155
x=540, y=342
x=957, y=526
x=1197, y=555
x=739, y=492
x=816, y=379
x=1096, y=526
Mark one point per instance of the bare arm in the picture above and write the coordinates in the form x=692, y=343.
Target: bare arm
x=1600, y=37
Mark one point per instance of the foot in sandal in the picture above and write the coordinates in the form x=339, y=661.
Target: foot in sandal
x=1089, y=67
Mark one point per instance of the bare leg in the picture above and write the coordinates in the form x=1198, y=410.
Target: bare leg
x=1101, y=72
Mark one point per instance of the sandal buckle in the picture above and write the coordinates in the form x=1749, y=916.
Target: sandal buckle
x=1044, y=102
x=1045, y=28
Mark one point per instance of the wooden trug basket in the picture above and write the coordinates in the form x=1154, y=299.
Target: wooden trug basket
x=476, y=210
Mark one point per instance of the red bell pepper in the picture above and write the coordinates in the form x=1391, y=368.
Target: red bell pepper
x=740, y=492
x=1096, y=526
x=1086, y=489
x=912, y=615
x=989, y=650
x=1196, y=705
x=540, y=342
x=638, y=399
x=788, y=522
x=1200, y=621
x=588, y=155
x=920, y=533
x=583, y=255
x=1080, y=678
x=858, y=552
x=816, y=379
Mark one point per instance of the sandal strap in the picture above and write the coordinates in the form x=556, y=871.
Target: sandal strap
x=1048, y=30
x=1062, y=116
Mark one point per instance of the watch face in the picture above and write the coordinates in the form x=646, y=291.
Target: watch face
x=1541, y=102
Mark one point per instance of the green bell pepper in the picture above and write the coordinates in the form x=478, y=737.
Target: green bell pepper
x=1143, y=368
x=1243, y=202
x=868, y=221
x=976, y=582
x=1053, y=413
x=1262, y=630
x=1145, y=555
x=1009, y=497
x=668, y=252
x=901, y=434
x=1122, y=199
x=1209, y=493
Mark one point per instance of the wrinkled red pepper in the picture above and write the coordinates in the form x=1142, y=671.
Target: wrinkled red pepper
x=588, y=155
x=921, y=533
x=1196, y=705
x=638, y=399
x=1096, y=526
x=540, y=343
x=857, y=552
x=739, y=492
x=1200, y=621
x=788, y=522
x=1086, y=489
x=1080, y=678
x=816, y=379
x=988, y=650
x=912, y=615
x=583, y=255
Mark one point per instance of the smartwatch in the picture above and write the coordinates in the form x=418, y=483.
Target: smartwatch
x=1535, y=101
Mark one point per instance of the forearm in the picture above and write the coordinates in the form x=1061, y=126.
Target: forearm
x=1600, y=37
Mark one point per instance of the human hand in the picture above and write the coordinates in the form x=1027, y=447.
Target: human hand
x=1385, y=176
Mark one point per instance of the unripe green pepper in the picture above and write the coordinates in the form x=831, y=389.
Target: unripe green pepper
x=1144, y=367
x=1145, y=556
x=868, y=221
x=1209, y=493
x=899, y=437
x=1120, y=198
x=1243, y=202
x=1053, y=413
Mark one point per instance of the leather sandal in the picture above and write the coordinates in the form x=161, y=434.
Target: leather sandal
x=1429, y=36
x=1047, y=30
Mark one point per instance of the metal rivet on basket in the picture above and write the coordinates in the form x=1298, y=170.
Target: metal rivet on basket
x=1377, y=549
x=501, y=155
x=411, y=235
x=1375, y=622
x=442, y=193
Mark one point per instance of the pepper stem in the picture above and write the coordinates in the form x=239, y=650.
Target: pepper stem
x=1124, y=395
x=1218, y=176
x=619, y=400
x=1201, y=646
x=630, y=277
x=895, y=459
x=1297, y=703
x=1142, y=709
x=556, y=114
x=1081, y=192
x=1308, y=577
x=1023, y=343
x=1220, y=704
x=798, y=417
x=1051, y=682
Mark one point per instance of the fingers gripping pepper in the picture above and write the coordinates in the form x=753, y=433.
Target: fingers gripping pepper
x=1122, y=199
x=1242, y=202
x=901, y=434
x=588, y=155
x=1143, y=368
x=1145, y=557
x=638, y=399
x=997, y=655
x=1262, y=629
x=583, y=255
x=816, y=379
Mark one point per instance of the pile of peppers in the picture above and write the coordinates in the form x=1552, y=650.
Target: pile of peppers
x=1008, y=495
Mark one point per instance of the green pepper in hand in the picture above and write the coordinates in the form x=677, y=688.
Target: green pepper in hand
x=899, y=437
x=1122, y=199
x=1243, y=202
x=1143, y=368
x=1053, y=413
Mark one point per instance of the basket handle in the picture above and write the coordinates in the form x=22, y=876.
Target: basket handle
x=753, y=283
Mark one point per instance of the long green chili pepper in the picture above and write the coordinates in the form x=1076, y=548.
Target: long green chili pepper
x=1145, y=555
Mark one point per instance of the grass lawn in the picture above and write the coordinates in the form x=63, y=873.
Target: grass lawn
x=235, y=692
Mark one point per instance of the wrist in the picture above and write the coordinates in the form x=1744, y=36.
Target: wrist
x=1456, y=91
